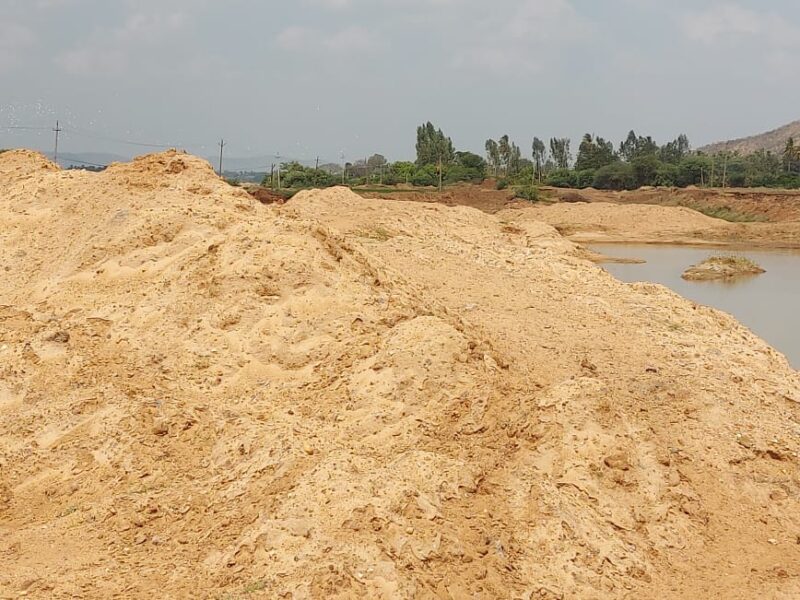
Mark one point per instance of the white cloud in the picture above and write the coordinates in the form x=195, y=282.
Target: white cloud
x=15, y=39
x=733, y=23
x=526, y=37
x=111, y=52
x=351, y=39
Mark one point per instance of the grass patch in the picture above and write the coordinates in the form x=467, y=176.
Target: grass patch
x=726, y=213
x=256, y=586
x=379, y=234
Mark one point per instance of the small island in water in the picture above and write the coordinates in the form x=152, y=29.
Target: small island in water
x=716, y=268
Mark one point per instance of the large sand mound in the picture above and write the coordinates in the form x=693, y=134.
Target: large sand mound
x=202, y=396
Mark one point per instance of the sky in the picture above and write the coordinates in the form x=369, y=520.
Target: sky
x=332, y=78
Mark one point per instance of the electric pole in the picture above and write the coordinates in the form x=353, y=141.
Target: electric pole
x=57, y=130
x=278, y=158
x=222, y=145
x=316, y=167
x=344, y=167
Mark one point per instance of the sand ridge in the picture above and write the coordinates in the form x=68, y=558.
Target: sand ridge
x=202, y=396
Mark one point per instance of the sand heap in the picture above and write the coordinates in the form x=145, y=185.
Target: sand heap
x=202, y=396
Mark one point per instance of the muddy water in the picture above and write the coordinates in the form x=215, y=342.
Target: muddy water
x=768, y=304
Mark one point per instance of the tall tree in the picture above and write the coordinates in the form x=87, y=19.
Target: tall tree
x=433, y=146
x=673, y=152
x=637, y=147
x=791, y=156
x=505, y=152
x=493, y=155
x=559, y=150
x=515, y=158
x=594, y=153
x=539, y=157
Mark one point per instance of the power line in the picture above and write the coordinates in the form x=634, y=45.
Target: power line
x=21, y=128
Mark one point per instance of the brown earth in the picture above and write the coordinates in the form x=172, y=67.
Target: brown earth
x=769, y=218
x=202, y=396
x=604, y=222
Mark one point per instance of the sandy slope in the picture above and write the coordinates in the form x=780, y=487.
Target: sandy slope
x=201, y=396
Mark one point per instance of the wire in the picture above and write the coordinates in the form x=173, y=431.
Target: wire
x=113, y=139
x=20, y=128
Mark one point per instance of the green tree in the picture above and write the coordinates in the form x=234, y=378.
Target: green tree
x=493, y=156
x=637, y=146
x=539, y=157
x=433, y=146
x=645, y=170
x=515, y=159
x=402, y=171
x=616, y=176
x=694, y=170
x=594, y=153
x=675, y=151
x=505, y=153
x=559, y=150
x=791, y=156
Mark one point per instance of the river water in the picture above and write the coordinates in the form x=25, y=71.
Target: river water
x=768, y=304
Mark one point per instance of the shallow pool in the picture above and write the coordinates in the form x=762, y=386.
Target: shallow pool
x=769, y=304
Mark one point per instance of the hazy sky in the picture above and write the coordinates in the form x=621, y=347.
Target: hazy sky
x=318, y=77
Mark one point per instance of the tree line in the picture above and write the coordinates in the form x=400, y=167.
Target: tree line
x=637, y=161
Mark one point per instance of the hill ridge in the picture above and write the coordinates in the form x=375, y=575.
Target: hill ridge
x=773, y=141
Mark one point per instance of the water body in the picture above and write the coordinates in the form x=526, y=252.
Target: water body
x=768, y=304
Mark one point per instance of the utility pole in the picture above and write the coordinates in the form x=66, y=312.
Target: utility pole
x=344, y=167
x=278, y=158
x=440, y=173
x=316, y=167
x=57, y=130
x=222, y=145
x=272, y=176
x=725, y=171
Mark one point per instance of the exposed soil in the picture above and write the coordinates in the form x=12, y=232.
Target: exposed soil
x=602, y=222
x=203, y=396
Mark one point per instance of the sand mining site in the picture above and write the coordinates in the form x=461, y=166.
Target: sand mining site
x=205, y=397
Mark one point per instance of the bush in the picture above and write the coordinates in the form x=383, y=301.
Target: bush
x=585, y=178
x=616, y=176
x=562, y=178
x=501, y=184
x=667, y=175
x=425, y=176
x=527, y=192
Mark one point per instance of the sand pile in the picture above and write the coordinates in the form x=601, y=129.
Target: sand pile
x=202, y=396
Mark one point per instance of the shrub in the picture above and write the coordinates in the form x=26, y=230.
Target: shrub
x=501, y=184
x=563, y=178
x=616, y=176
x=527, y=192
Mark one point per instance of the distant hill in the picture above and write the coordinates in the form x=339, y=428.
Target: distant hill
x=774, y=141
